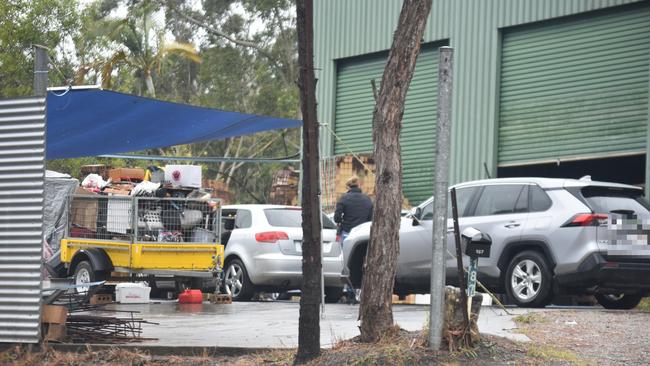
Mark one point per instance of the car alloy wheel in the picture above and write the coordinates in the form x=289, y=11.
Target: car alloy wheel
x=526, y=280
x=233, y=281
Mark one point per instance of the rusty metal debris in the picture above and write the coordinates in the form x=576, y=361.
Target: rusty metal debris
x=85, y=328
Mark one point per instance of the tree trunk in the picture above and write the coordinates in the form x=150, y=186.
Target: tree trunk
x=308, y=325
x=376, y=313
x=151, y=89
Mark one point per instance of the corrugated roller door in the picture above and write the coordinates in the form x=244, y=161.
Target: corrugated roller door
x=575, y=88
x=353, y=117
x=22, y=150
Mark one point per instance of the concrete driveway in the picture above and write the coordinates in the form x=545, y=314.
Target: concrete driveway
x=275, y=324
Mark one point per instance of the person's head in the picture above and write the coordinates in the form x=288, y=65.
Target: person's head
x=353, y=182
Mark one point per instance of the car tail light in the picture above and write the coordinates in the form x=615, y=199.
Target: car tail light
x=271, y=236
x=586, y=219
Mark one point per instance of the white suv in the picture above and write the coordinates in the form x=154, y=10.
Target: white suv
x=550, y=236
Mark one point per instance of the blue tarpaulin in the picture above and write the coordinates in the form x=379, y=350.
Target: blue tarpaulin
x=92, y=122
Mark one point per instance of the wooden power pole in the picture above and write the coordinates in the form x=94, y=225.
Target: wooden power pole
x=309, y=326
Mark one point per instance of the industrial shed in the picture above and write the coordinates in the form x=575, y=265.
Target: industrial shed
x=541, y=88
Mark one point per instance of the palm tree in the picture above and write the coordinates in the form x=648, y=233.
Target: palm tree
x=131, y=36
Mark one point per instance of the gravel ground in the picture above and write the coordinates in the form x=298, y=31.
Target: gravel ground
x=595, y=336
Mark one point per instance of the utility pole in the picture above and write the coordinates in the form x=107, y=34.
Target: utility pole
x=443, y=137
x=40, y=70
x=309, y=321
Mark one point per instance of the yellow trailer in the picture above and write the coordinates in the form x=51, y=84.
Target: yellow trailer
x=143, y=236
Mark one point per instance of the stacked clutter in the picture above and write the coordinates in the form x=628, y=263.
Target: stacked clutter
x=164, y=212
x=363, y=166
x=284, y=190
x=336, y=172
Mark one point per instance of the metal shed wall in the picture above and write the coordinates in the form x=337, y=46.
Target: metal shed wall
x=346, y=28
x=22, y=170
x=575, y=88
x=356, y=104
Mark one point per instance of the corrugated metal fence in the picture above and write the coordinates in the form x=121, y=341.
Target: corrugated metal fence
x=22, y=167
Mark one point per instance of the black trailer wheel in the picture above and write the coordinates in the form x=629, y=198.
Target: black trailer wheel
x=85, y=273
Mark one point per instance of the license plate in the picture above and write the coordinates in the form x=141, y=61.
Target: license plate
x=327, y=247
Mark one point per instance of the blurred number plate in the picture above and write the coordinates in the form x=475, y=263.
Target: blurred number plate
x=327, y=247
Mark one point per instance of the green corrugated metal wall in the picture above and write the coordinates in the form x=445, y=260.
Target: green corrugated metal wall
x=353, y=116
x=575, y=88
x=350, y=28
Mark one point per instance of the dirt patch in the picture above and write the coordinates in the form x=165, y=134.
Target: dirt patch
x=589, y=336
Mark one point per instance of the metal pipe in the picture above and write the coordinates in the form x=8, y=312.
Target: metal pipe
x=443, y=135
x=40, y=70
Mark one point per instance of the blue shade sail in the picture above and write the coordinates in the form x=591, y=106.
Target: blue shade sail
x=91, y=122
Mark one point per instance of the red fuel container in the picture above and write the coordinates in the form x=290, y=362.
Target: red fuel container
x=190, y=297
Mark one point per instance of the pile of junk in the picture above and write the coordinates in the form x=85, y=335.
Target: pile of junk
x=172, y=207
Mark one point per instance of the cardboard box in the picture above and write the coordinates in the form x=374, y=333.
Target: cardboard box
x=183, y=175
x=55, y=332
x=54, y=314
x=128, y=174
x=84, y=211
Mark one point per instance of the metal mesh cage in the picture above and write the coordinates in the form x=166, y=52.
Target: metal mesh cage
x=125, y=218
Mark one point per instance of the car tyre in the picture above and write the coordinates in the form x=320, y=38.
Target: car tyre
x=333, y=295
x=618, y=302
x=528, y=280
x=236, y=282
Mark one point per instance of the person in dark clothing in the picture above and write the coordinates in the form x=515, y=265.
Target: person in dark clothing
x=353, y=208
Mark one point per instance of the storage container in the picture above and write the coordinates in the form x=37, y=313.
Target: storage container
x=190, y=297
x=183, y=175
x=132, y=293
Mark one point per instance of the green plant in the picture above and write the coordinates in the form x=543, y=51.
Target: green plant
x=529, y=318
x=551, y=353
x=644, y=304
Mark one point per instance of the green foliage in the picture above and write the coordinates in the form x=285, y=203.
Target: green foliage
x=249, y=64
x=24, y=23
x=73, y=166
x=644, y=304
x=138, y=44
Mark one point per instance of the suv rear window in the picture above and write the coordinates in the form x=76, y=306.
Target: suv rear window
x=614, y=200
x=539, y=200
x=291, y=217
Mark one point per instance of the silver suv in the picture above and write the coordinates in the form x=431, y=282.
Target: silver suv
x=550, y=237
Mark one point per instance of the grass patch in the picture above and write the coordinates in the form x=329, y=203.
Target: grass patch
x=644, y=304
x=529, y=318
x=552, y=353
